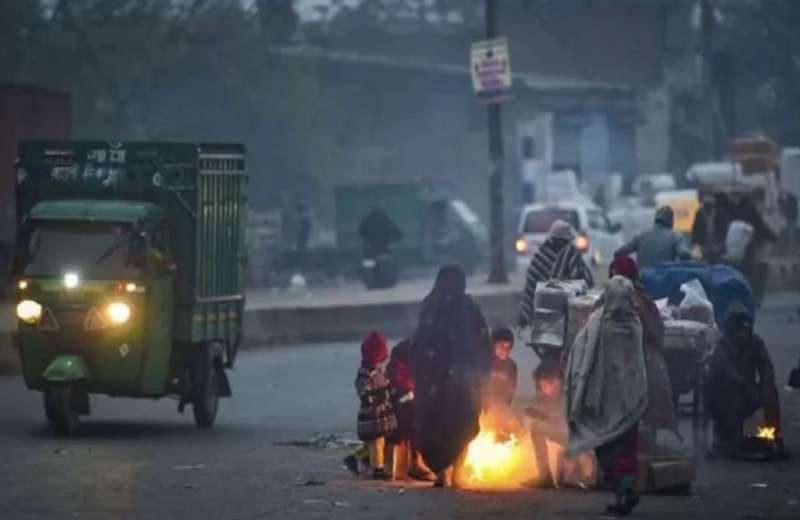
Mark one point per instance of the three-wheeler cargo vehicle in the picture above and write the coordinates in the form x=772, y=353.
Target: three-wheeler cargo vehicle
x=129, y=272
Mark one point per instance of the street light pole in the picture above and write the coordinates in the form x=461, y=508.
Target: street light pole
x=497, y=269
x=709, y=99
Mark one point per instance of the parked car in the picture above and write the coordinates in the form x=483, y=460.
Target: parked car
x=597, y=237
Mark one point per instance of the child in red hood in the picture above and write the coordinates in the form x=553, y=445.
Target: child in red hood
x=376, y=417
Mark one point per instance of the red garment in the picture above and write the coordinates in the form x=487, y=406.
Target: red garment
x=399, y=368
x=620, y=458
x=374, y=349
x=624, y=266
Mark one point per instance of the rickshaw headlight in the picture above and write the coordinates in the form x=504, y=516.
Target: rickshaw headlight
x=118, y=312
x=29, y=311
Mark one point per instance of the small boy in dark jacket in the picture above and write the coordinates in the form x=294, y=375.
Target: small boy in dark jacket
x=504, y=369
x=376, y=417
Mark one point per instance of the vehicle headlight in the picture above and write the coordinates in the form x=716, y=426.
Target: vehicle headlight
x=118, y=312
x=582, y=243
x=71, y=280
x=521, y=245
x=29, y=311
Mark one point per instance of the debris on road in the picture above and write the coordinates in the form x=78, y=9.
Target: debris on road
x=300, y=481
x=323, y=442
x=327, y=501
x=190, y=486
x=188, y=467
x=758, y=485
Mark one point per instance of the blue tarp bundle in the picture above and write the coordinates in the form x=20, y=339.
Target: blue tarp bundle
x=723, y=284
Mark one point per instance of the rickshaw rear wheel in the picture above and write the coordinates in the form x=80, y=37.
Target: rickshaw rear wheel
x=205, y=392
x=59, y=406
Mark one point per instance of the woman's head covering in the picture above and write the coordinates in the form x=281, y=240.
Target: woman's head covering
x=665, y=217
x=449, y=288
x=374, y=349
x=399, y=368
x=737, y=318
x=563, y=230
x=451, y=282
x=618, y=299
x=624, y=266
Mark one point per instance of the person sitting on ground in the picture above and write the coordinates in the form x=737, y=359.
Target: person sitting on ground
x=549, y=432
x=376, y=417
x=659, y=244
x=741, y=380
x=503, y=383
x=557, y=258
x=407, y=460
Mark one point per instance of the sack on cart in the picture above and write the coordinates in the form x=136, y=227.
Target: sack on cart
x=555, y=294
x=689, y=335
x=549, y=329
x=549, y=323
x=686, y=344
x=579, y=310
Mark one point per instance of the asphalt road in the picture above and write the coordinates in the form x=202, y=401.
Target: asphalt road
x=140, y=459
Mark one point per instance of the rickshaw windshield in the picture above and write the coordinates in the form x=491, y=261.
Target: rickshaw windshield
x=92, y=249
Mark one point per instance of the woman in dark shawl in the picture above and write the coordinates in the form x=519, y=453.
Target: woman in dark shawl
x=452, y=360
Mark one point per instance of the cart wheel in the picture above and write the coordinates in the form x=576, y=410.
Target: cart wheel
x=205, y=393
x=60, y=409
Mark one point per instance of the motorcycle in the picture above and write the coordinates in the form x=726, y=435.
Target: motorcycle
x=379, y=271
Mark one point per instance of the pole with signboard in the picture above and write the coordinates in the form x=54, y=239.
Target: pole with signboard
x=491, y=79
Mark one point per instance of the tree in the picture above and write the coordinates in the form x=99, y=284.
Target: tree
x=763, y=38
x=181, y=70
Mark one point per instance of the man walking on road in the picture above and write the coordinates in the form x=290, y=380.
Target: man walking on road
x=660, y=244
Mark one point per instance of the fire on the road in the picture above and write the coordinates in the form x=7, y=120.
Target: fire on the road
x=500, y=457
x=766, y=433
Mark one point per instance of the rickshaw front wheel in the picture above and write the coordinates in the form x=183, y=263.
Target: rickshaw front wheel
x=205, y=392
x=59, y=406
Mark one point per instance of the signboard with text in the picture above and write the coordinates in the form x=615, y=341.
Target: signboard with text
x=491, y=70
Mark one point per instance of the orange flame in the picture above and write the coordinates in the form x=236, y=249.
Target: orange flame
x=501, y=456
x=766, y=432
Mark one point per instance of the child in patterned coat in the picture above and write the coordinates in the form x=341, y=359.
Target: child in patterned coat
x=376, y=417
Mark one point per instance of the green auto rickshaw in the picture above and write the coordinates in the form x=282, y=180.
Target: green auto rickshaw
x=129, y=272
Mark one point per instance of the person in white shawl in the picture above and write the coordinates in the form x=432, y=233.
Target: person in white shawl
x=606, y=390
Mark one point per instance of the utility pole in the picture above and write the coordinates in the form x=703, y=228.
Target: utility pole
x=707, y=20
x=497, y=269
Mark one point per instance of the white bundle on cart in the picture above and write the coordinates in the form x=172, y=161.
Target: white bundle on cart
x=550, y=314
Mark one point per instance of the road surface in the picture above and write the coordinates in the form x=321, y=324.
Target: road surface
x=141, y=460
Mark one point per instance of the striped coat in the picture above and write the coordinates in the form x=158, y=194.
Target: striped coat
x=554, y=259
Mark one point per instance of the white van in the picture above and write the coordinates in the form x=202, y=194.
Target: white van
x=597, y=238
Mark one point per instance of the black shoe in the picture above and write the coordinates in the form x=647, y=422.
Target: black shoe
x=380, y=474
x=628, y=503
x=351, y=463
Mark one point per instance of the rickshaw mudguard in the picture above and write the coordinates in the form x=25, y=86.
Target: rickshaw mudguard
x=65, y=369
